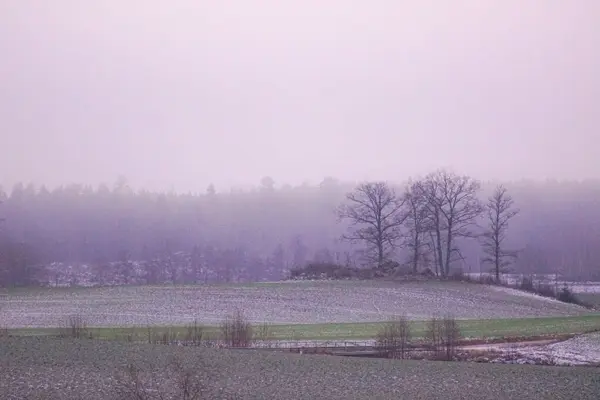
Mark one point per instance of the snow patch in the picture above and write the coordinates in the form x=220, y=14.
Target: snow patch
x=580, y=350
x=516, y=292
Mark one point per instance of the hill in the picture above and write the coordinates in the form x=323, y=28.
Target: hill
x=278, y=303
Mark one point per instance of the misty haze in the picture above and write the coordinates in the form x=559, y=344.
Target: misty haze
x=290, y=200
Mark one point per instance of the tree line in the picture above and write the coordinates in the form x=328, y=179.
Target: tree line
x=436, y=222
x=428, y=218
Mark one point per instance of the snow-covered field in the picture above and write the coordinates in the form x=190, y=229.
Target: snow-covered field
x=574, y=286
x=580, y=350
x=297, y=302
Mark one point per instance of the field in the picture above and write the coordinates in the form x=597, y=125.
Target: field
x=33, y=363
x=276, y=303
x=61, y=369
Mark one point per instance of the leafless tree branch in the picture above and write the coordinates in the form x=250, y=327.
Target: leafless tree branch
x=499, y=211
x=376, y=219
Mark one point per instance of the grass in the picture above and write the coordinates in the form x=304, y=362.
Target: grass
x=52, y=368
x=477, y=329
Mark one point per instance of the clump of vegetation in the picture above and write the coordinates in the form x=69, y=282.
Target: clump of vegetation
x=264, y=333
x=567, y=296
x=75, y=327
x=314, y=271
x=394, y=338
x=194, y=334
x=526, y=284
x=450, y=336
x=442, y=336
x=320, y=271
x=546, y=289
x=237, y=331
x=176, y=381
x=165, y=337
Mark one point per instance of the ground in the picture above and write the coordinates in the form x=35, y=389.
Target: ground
x=87, y=369
x=37, y=366
x=277, y=303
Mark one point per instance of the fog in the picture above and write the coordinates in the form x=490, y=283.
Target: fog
x=180, y=94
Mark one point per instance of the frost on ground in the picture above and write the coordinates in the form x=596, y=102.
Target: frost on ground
x=515, y=292
x=50, y=368
x=299, y=302
x=580, y=350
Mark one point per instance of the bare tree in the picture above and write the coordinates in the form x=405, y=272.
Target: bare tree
x=374, y=212
x=416, y=223
x=452, y=207
x=499, y=211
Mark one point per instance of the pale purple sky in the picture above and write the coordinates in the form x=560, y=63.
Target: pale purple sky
x=183, y=93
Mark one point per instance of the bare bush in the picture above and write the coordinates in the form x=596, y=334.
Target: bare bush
x=394, y=338
x=176, y=381
x=131, y=385
x=161, y=337
x=194, y=334
x=190, y=383
x=443, y=336
x=75, y=327
x=433, y=335
x=236, y=330
x=264, y=334
x=450, y=336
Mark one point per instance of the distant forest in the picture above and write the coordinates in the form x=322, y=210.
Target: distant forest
x=270, y=229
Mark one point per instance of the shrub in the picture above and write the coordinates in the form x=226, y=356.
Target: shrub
x=450, y=336
x=442, y=337
x=176, y=381
x=365, y=273
x=236, y=331
x=161, y=337
x=433, y=335
x=394, y=337
x=194, y=334
x=323, y=271
x=487, y=279
x=459, y=275
x=566, y=295
x=546, y=289
x=526, y=284
x=264, y=333
x=428, y=272
x=75, y=327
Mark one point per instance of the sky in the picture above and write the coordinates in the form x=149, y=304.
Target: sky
x=178, y=94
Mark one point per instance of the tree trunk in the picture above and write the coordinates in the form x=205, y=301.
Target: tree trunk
x=448, y=251
x=440, y=258
x=416, y=254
